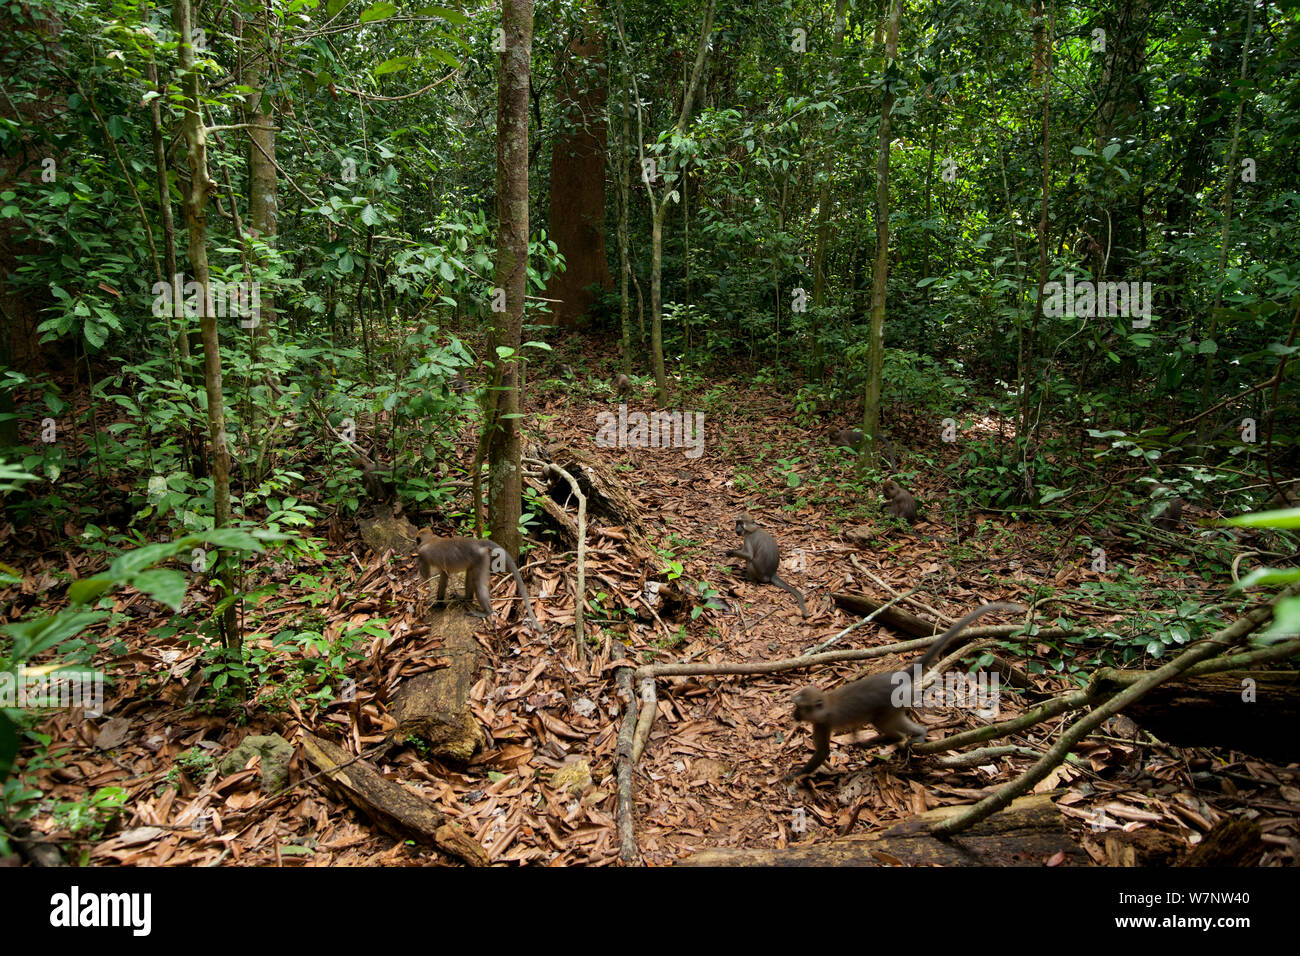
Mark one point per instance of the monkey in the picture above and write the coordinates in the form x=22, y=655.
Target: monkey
x=474, y=557
x=846, y=437
x=899, y=502
x=760, y=550
x=623, y=385
x=459, y=385
x=1169, y=518
x=870, y=700
x=377, y=481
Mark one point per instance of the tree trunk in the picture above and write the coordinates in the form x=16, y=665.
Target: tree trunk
x=505, y=483
x=880, y=273
x=577, y=223
x=657, y=255
x=824, y=204
x=262, y=185
x=196, y=219
x=620, y=157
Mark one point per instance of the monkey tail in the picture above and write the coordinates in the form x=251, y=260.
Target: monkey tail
x=797, y=596
x=949, y=635
x=523, y=589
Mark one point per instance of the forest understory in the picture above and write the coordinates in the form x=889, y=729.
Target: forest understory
x=542, y=789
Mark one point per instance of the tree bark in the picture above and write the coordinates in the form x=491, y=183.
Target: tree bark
x=577, y=221
x=196, y=219
x=505, y=481
x=880, y=273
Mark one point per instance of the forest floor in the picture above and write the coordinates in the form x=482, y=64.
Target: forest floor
x=710, y=775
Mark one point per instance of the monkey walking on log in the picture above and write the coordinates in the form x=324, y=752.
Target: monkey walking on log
x=473, y=556
x=871, y=700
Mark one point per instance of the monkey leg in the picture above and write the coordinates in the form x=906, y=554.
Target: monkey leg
x=481, y=571
x=442, y=587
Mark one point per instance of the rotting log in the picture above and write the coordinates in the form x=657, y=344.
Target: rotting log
x=394, y=809
x=1028, y=833
x=1252, y=711
x=435, y=705
x=608, y=501
x=387, y=532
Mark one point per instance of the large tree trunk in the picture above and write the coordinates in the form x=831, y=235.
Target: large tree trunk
x=880, y=274
x=505, y=483
x=578, y=174
x=621, y=158
x=196, y=219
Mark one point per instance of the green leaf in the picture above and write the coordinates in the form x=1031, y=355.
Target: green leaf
x=451, y=16
x=1283, y=518
x=1286, y=622
x=163, y=585
x=34, y=636
x=232, y=539
x=379, y=11
x=395, y=65
x=87, y=590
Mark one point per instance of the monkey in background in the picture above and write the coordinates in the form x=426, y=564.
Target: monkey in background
x=871, y=700
x=474, y=557
x=622, y=386
x=899, y=502
x=759, y=549
x=846, y=437
x=377, y=481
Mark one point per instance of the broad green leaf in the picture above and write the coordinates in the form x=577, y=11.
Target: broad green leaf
x=379, y=11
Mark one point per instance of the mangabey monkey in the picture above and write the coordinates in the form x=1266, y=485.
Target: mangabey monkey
x=759, y=549
x=898, y=501
x=474, y=557
x=869, y=701
x=622, y=385
x=1169, y=519
x=377, y=481
x=459, y=385
x=847, y=437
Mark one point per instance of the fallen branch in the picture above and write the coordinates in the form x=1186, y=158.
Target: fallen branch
x=1201, y=651
x=623, y=761
x=645, y=718
x=550, y=469
x=829, y=657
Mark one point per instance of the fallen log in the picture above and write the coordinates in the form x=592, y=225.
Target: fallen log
x=1030, y=832
x=435, y=705
x=392, y=807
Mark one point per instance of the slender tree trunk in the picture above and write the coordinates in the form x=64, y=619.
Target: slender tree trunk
x=1229, y=181
x=620, y=158
x=1028, y=345
x=880, y=274
x=201, y=189
x=824, y=204
x=177, y=327
x=505, y=484
x=263, y=205
x=660, y=207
